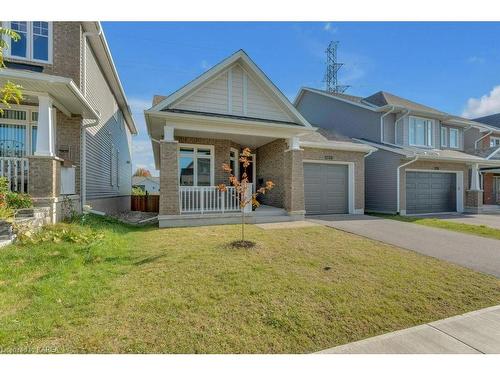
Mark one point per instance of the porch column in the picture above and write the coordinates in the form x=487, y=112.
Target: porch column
x=474, y=196
x=169, y=178
x=474, y=178
x=45, y=140
x=294, y=179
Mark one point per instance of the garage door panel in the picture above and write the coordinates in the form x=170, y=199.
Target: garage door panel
x=325, y=188
x=428, y=192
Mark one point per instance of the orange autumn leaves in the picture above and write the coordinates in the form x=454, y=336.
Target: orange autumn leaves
x=241, y=186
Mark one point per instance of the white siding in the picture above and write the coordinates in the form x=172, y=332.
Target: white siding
x=108, y=144
x=234, y=92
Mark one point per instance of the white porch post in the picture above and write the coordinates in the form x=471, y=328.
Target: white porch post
x=294, y=143
x=474, y=180
x=168, y=133
x=45, y=140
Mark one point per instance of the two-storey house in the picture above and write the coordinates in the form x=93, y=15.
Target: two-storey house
x=69, y=142
x=421, y=165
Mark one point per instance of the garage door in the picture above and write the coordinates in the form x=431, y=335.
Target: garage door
x=428, y=192
x=325, y=188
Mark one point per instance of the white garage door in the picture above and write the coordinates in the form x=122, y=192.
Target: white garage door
x=326, y=188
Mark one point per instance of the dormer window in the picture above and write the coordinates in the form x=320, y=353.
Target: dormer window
x=420, y=131
x=494, y=141
x=35, y=43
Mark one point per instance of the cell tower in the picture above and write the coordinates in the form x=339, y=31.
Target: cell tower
x=332, y=69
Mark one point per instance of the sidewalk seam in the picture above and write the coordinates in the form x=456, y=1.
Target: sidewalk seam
x=456, y=338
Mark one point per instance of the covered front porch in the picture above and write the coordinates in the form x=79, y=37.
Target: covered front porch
x=40, y=139
x=190, y=158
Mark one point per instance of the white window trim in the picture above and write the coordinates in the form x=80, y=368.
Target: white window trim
x=236, y=162
x=429, y=132
x=494, y=138
x=457, y=131
x=195, y=156
x=28, y=124
x=29, y=43
x=444, y=140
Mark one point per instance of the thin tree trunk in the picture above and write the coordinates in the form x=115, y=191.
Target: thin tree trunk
x=243, y=225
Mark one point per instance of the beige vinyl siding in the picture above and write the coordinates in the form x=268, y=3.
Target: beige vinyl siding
x=235, y=92
x=209, y=98
x=108, y=144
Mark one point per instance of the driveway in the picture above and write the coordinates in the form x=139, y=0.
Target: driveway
x=490, y=220
x=474, y=252
x=475, y=333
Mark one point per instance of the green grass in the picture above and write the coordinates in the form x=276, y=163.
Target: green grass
x=185, y=291
x=478, y=230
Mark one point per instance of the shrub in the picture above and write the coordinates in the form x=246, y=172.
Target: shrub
x=138, y=191
x=18, y=200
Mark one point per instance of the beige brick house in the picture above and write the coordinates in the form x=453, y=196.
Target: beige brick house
x=69, y=142
x=231, y=106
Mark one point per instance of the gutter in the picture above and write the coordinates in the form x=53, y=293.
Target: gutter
x=398, y=198
x=396, y=124
x=484, y=136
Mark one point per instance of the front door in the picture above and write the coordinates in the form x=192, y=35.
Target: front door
x=250, y=171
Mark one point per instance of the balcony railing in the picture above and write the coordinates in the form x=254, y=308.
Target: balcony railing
x=16, y=170
x=208, y=199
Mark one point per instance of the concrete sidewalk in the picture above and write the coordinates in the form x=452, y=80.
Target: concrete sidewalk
x=474, y=252
x=477, y=332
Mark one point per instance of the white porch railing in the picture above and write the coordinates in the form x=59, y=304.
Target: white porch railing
x=208, y=199
x=16, y=170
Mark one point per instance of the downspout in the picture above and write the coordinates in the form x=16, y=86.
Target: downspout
x=382, y=123
x=83, y=134
x=396, y=125
x=484, y=136
x=398, y=181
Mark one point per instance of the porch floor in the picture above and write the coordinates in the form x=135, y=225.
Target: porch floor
x=263, y=214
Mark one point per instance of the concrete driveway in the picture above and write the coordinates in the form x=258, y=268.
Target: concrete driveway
x=490, y=220
x=474, y=252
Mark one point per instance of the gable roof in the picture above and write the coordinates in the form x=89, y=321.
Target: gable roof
x=491, y=120
x=239, y=56
x=382, y=99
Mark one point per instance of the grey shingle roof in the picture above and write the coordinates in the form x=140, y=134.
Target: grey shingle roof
x=382, y=98
x=491, y=120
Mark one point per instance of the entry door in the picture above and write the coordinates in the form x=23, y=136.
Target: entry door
x=497, y=189
x=250, y=171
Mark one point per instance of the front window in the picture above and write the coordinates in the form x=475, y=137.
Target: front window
x=35, y=41
x=18, y=132
x=233, y=161
x=420, y=133
x=196, y=165
x=494, y=141
x=454, y=138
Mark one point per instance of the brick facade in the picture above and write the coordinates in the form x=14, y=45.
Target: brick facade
x=294, y=182
x=68, y=137
x=489, y=188
x=169, y=184
x=473, y=200
x=271, y=166
x=44, y=177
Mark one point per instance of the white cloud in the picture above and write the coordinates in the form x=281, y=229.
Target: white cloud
x=329, y=28
x=485, y=105
x=204, y=64
x=476, y=60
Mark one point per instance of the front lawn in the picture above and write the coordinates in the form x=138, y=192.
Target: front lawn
x=477, y=230
x=185, y=291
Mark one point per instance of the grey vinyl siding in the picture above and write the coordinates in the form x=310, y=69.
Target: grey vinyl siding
x=389, y=131
x=460, y=138
x=343, y=118
x=470, y=137
x=108, y=144
x=381, y=181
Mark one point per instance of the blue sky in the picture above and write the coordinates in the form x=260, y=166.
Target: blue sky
x=451, y=66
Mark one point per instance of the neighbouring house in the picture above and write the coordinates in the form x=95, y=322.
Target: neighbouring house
x=421, y=166
x=148, y=184
x=231, y=106
x=70, y=139
x=487, y=144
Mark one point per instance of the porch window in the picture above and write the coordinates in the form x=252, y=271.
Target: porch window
x=35, y=41
x=17, y=133
x=196, y=165
x=233, y=161
x=420, y=132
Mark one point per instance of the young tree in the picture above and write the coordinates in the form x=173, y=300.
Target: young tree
x=142, y=172
x=242, y=187
x=10, y=92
